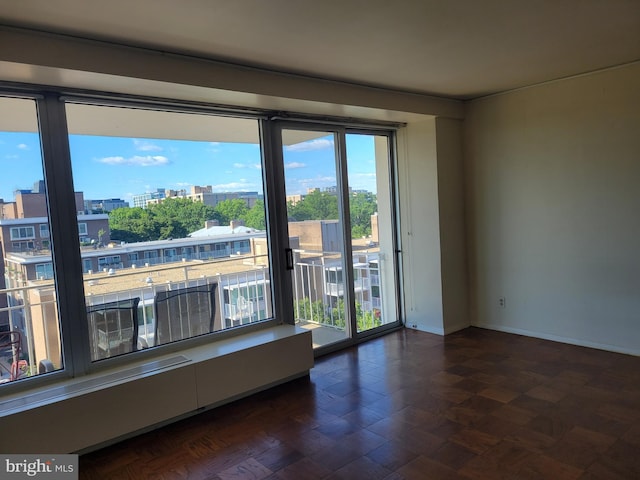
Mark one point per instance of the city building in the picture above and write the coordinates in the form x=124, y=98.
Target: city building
x=105, y=205
x=142, y=199
x=24, y=230
x=207, y=196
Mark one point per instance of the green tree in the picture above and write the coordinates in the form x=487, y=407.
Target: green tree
x=315, y=206
x=310, y=311
x=132, y=225
x=171, y=218
x=178, y=217
x=228, y=210
x=362, y=206
x=324, y=206
x=254, y=218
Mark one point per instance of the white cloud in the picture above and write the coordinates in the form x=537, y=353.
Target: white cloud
x=293, y=165
x=318, y=181
x=255, y=166
x=317, y=144
x=12, y=157
x=23, y=146
x=240, y=186
x=183, y=184
x=138, y=161
x=145, y=146
x=362, y=176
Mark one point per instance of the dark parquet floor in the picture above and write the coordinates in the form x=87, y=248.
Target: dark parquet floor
x=477, y=404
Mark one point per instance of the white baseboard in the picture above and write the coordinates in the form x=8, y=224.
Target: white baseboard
x=437, y=330
x=426, y=329
x=455, y=328
x=561, y=339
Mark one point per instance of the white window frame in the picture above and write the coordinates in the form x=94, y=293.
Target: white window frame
x=20, y=235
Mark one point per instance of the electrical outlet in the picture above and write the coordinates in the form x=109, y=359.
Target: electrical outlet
x=502, y=302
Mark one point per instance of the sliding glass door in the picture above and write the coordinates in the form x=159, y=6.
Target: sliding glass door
x=316, y=236
x=338, y=189
x=372, y=232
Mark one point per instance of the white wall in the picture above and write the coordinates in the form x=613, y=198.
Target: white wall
x=431, y=192
x=454, y=269
x=553, y=207
x=420, y=233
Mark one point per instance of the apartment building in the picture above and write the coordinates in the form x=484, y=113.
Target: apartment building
x=105, y=205
x=197, y=193
x=24, y=230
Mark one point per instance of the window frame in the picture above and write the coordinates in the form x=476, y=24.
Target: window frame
x=64, y=237
x=20, y=236
x=48, y=267
x=152, y=256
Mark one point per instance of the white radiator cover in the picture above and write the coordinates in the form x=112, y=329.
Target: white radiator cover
x=212, y=375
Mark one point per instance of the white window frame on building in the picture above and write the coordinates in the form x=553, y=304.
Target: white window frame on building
x=22, y=233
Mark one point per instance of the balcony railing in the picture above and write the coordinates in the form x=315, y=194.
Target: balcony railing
x=31, y=309
x=30, y=312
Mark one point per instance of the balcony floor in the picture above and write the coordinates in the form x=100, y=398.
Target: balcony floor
x=322, y=334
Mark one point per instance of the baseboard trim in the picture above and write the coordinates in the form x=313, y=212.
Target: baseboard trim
x=422, y=328
x=455, y=328
x=558, y=338
x=438, y=331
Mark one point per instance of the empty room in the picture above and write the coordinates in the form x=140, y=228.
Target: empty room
x=299, y=240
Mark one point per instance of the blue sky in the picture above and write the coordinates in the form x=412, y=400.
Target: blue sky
x=118, y=167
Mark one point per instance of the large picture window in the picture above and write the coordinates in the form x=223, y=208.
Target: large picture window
x=191, y=190
x=162, y=225
x=30, y=333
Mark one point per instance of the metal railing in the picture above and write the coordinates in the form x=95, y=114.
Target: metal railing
x=31, y=309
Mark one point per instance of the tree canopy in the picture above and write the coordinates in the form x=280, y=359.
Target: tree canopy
x=324, y=206
x=316, y=205
x=178, y=217
x=171, y=218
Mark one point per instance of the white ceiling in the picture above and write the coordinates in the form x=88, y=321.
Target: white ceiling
x=454, y=48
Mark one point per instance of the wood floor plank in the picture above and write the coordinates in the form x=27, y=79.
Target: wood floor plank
x=474, y=405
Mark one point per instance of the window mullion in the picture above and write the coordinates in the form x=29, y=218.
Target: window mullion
x=275, y=196
x=343, y=205
x=64, y=233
